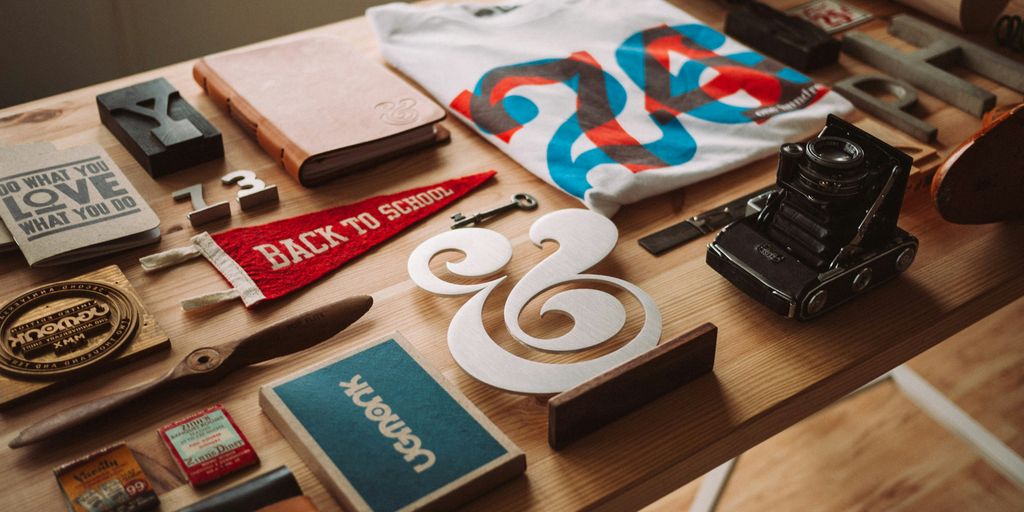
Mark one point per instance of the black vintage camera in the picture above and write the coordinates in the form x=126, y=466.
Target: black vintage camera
x=828, y=232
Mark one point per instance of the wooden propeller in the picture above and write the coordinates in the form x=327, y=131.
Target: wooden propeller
x=207, y=365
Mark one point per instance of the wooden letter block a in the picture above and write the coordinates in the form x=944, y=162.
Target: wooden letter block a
x=383, y=431
x=938, y=49
x=159, y=128
x=597, y=402
x=857, y=90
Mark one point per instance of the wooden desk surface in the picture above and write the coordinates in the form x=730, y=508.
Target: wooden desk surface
x=770, y=372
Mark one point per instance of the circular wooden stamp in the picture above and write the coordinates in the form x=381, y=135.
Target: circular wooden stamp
x=63, y=328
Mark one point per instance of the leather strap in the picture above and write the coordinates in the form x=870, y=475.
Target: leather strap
x=266, y=489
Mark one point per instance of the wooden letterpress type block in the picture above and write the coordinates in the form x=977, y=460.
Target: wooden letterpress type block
x=159, y=128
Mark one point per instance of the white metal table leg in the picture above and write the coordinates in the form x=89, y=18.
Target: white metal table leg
x=933, y=403
x=712, y=486
x=954, y=419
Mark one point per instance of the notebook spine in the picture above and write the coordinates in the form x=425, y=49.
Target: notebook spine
x=224, y=96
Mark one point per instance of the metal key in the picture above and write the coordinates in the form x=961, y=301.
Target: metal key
x=519, y=201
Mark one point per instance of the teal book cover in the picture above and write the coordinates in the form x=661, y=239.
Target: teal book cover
x=384, y=432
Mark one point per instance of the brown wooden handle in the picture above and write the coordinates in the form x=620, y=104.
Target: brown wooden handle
x=81, y=413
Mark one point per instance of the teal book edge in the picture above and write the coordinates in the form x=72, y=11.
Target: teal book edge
x=384, y=432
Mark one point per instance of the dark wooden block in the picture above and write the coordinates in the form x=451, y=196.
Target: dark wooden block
x=791, y=40
x=591, y=405
x=159, y=128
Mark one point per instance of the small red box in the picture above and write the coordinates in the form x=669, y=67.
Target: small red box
x=207, y=445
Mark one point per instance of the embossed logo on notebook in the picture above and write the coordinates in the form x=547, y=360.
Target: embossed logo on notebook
x=398, y=112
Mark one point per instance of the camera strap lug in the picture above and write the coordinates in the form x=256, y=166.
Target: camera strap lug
x=703, y=223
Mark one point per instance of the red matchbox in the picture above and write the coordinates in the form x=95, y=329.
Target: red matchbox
x=207, y=445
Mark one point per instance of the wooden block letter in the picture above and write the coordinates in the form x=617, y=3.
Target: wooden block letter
x=159, y=128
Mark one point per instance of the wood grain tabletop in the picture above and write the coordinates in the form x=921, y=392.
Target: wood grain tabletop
x=770, y=372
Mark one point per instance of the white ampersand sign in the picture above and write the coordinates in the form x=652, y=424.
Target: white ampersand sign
x=584, y=238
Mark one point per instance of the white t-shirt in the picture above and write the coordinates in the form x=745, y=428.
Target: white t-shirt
x=610, y=101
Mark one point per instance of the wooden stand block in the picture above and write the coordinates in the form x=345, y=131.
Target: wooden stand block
x=148, y=338
x=589, y=406
x=160, y=129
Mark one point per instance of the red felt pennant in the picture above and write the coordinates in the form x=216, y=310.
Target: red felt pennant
x=271, y=260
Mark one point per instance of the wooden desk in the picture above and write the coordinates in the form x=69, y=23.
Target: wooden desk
x=770, y=372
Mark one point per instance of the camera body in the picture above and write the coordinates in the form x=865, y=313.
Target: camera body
x=828, y=232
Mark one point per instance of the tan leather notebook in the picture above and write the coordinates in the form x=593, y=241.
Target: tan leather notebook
x=320, y=107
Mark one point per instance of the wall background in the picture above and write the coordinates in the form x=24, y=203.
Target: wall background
x=52, y=46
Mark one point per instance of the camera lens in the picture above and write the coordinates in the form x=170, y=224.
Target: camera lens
x=834, y=167
x=835, y=153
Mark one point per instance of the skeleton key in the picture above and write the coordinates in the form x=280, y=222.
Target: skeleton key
x=519, y=201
